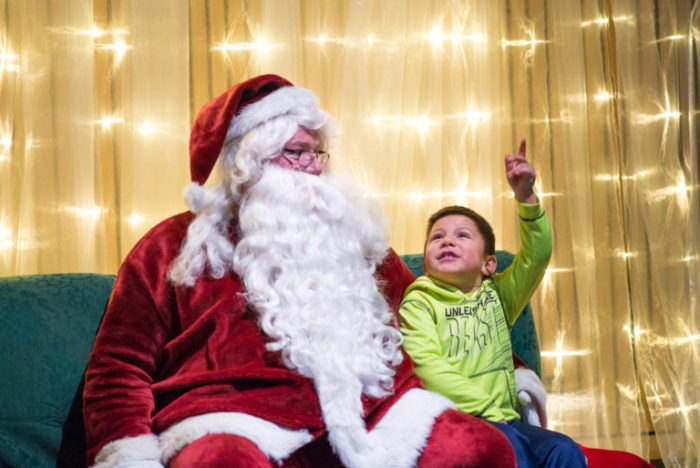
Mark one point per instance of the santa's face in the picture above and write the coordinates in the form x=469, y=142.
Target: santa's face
x=301, y=153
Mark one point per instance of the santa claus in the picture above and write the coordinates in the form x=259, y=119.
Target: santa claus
x=259, y=328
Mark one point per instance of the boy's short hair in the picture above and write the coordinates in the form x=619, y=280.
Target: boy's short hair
x=482, y=225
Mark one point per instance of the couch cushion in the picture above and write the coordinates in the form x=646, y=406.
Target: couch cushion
x=47, y=326
x=523, y=335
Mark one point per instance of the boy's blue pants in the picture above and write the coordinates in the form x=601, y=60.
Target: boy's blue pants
x=535, y=447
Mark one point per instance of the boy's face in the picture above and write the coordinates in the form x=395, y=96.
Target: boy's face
x=454, y=253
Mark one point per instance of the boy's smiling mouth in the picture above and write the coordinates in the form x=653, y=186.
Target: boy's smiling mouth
x=447, y=255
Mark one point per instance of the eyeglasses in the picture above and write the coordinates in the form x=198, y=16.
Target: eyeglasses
x=305, y=157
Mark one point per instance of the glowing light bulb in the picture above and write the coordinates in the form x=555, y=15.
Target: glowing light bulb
x=437, y=37
x=419, y=122
x=474, y=116
x=548, y=278
x=683, y=408
x=8, y=61
x=637, y=331
x=416, y=196
x=606, y=21
x=258, y=46
x=553, y=270
x=147, y=128
x=680, y=190
x=671, y=38
x=625, y=255
x=5, y=238
x=667, y=115
x=118, y=47
x=521, y=42
x=531, y=42
x=90, y=212
x=95, y=32
x=134, y=219
x=684, y=340
x=107, y=122
x=636, y=176
x=603, y=96
x=597, y=21
x=626, y=391
x=561, y=353
x=321, y=39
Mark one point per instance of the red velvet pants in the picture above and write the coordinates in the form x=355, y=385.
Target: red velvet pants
x=457, y=440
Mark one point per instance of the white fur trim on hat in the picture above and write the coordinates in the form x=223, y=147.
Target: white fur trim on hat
x=274, y=441
x=532, y=397
x=141, y=451
x=279, y=102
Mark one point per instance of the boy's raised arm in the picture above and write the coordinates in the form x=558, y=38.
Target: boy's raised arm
x=521, y=175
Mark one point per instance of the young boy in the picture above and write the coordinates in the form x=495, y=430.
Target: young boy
x=456, y=319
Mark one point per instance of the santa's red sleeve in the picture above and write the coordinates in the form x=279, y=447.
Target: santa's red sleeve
x=394, y=277
x=118, y=400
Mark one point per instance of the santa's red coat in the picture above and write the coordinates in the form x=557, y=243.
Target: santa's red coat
x=166, y=353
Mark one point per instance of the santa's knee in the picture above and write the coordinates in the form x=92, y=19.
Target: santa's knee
x=461, y=440
x=220, y=451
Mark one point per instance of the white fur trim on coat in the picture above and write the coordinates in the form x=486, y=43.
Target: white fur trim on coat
x=279, y=102
x=397, y=440
x=532, y=397
x=274, y=441
x=130, y=452
x=401, y=435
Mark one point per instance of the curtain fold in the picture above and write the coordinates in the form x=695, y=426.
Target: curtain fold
x=97, y=96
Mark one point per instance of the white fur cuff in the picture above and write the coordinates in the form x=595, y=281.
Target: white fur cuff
x=408, y=424
x=274, y=441
x=401, y=435
x=130, y=452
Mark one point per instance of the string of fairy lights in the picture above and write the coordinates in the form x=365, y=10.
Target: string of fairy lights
x=115, y=42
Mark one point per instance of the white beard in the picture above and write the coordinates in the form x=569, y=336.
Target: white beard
x=308, y=253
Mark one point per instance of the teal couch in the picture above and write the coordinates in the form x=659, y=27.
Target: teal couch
x=47, y=326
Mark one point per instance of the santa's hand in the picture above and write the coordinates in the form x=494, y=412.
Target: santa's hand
x=527, y=409
x=142, y=451
x=532, y=397
x=524, y=398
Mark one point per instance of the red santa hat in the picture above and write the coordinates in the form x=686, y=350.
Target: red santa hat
x=237, y=111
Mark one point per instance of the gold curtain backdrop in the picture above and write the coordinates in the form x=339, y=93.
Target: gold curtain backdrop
x=97, y=97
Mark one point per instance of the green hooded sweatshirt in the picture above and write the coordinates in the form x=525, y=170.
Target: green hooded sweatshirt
x=460, y=342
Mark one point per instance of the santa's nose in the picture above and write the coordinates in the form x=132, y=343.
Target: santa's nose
x=314, y=167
